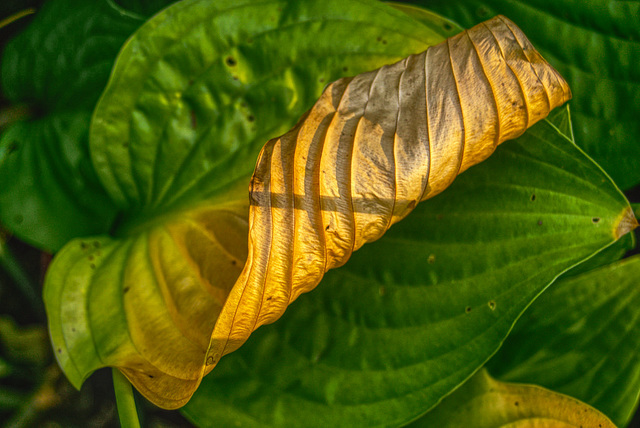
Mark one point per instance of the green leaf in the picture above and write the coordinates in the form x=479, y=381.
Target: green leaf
x=581, y=338
x=48, y=190
x=214, y=82
x=410, y=317
x=193, y=96
x=484, y=402
x=63, y=59
x=58, y=66
x=595, y=45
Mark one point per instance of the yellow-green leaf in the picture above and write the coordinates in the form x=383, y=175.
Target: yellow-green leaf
x=484, y=402
x=193, y=96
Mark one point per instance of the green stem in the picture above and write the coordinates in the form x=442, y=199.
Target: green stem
x=124, y=398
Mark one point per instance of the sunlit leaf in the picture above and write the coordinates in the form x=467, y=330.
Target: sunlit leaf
x=595, y=45
x=484, y=402
x=175, y=138
x=411, y=316
x=581, y=338
x=369, y=151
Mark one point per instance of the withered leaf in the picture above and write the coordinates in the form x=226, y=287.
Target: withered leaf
x=369, y=150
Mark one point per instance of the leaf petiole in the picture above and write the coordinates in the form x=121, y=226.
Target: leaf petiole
x=124, y=398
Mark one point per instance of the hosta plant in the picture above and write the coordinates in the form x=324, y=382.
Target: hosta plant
x=225, y=172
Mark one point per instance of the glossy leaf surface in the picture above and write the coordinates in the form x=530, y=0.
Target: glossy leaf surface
x=484, y=402
x=196, y=78
x=411, y=316
x=581, y=338
x=595, y=45
x=178, y=159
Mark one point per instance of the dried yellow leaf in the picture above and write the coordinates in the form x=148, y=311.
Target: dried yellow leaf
x=369, y=150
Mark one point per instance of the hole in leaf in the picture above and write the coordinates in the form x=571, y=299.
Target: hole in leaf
x=533, y=197
x=595, y=220
x=231, y=61
x=467, y=309
x=447, y=26
x=492, y=305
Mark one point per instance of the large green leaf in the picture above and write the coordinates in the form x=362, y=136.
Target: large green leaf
x=596, y=46
x=193, y=96
x=58, y=66
x=218, y=81
x=581, y=338
x=413, y=315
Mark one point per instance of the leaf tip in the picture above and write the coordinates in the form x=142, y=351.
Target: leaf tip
x=626, y=223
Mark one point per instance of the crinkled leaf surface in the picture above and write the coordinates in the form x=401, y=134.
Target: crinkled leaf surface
x=581, y=338
x=484, y=402
x=194, y=95
x=596, y=46
x=49, y=192
x=413, y=315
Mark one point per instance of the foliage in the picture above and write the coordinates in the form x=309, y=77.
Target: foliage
x=139, y=185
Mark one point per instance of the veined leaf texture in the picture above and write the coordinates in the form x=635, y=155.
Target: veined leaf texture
x=368, y=151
